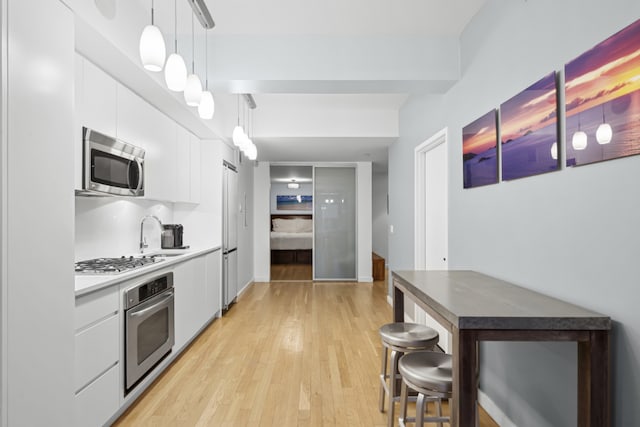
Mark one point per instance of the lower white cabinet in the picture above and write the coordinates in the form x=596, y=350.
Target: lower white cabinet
x=213, y=290
x=97, y=402
x=189, y=285
x=97, y=357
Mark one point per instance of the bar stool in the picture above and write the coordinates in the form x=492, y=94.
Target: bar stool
x=401, y=338
x=428, y=373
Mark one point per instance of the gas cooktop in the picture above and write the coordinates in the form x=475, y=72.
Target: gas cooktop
x=114, y=265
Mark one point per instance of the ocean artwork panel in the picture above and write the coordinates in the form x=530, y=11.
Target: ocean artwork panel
x=529, y=131
x=294, y=203
x=480, y=151
x=602, y=92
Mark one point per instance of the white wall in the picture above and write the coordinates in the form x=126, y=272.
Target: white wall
x=37, y=189
x=363, y=187
x=570, y=234
x=380, y=217
x=261, y=221
x=278, y=188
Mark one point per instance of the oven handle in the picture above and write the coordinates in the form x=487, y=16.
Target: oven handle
x=163, y=301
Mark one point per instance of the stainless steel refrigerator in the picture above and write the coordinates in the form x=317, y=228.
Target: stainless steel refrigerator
x=229, y=235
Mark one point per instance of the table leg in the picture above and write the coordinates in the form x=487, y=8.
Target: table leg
x=398, y=305
x=465, y=380
x=594, y=366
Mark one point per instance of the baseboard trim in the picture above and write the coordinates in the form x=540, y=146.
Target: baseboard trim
x=365, y=279
x=389, y=300
x=494, y=411
x=262, y=280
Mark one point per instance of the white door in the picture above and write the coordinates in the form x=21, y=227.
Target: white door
x=431, y=210
x=436, y=208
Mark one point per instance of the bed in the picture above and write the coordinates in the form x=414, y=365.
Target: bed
x=291, y=239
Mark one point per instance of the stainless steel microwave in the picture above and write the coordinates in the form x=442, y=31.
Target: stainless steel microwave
x=111, y=166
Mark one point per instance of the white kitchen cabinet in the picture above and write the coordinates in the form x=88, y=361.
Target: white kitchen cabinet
x=95, y=107
x=189, y=285
x=183, y=165
x=96, y=403
x=98, y=105
x=187, y=161
x=195, y=178
x=213, y=284
x=141, y=124
x=97, y=357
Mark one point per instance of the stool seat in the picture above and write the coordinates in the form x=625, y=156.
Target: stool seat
x=409, y=335
x=427, y=369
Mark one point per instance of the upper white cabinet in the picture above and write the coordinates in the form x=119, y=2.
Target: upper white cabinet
x=98, y=106
x=141, y=124
x=95, y=99
x=172, y=154
x=195, y=178
x=188, y=167
x=183, y=162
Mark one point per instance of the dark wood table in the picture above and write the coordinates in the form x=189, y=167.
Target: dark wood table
x=475, y=307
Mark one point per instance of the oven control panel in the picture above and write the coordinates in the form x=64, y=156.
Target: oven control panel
x=148, y=289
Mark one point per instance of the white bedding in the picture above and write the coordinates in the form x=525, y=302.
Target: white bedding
x=282, y=240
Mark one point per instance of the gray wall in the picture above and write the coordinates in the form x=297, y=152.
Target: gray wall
x=380, y=222
x=572, y=234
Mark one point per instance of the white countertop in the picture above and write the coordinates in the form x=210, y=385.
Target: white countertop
x=87, y=283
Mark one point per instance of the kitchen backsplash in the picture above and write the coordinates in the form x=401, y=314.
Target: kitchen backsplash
x=110, y=227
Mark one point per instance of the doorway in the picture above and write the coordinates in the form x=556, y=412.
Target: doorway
x=431, y=216
x=291, y=222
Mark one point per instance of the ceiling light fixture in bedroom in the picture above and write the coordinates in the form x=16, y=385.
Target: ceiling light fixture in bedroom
x=293, y=184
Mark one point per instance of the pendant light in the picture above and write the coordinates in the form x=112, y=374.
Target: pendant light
x=554, y=151
x=604, y=133
x=237, y=131
x=244, y=139
x=175, y=71
x=579, y=140
x=152, y=48
x=193, y=88
x=207, y=107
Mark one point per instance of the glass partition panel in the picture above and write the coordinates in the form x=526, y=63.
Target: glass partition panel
x=334, y=219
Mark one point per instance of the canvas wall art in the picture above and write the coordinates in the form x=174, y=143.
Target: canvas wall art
x=603, y=100
x=529, y=130
x=480, y=151
x=294, y=203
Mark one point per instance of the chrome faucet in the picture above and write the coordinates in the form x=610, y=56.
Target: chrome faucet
x=143, y=241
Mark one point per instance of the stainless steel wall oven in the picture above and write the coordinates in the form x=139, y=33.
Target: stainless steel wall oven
x=149, y=326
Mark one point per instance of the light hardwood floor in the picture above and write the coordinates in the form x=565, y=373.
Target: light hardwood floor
x=286, y=354
x=291, y=272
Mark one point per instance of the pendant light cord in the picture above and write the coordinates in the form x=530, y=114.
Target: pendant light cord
x=175, y=24
x=152, y=12
x=238, y=106
x=193, y=48
x=206, y=61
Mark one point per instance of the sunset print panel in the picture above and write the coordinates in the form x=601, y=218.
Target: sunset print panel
x=529, y=131
x=603, y=100
x=479, y=151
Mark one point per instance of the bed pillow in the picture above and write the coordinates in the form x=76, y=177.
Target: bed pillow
x=284, y=225
x=304, y=225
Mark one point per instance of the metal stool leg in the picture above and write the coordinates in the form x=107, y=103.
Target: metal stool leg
x=438, y=405
x=393, y=392
x=403, y=404
x=420, y=410
x=383, y=376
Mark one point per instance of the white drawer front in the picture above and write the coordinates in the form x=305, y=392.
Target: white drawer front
x=97, y=348
x=99, y=401
x=95, y=306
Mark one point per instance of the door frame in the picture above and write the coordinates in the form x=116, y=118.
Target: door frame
x=420, y=207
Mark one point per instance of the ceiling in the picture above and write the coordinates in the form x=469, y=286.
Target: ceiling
x=344, y=21
x=328, y=78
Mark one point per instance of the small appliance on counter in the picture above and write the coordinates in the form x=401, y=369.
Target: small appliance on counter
x=172, y=236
